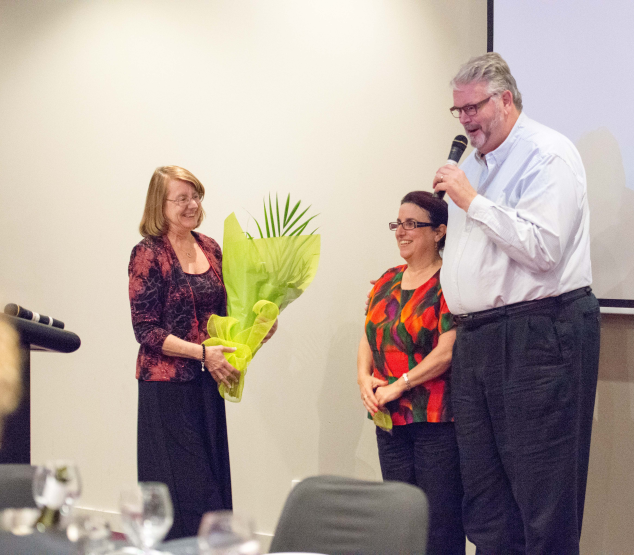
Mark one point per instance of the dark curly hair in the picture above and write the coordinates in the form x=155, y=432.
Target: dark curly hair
x=435, y=207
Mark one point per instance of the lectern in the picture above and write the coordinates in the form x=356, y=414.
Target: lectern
x=16, y=441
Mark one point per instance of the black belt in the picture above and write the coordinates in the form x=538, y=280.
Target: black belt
x=517, y=309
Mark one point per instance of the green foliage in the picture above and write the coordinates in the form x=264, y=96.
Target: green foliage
x=288, y=224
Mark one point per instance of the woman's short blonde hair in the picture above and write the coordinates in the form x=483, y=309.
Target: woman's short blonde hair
x=10, y=373
x=153, y=222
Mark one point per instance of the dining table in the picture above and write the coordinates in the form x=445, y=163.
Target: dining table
x=189, y=546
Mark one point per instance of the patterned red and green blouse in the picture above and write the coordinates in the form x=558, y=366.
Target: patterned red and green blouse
x=402, y=327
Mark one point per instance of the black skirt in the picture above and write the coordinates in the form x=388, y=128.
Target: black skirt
x=182, y=442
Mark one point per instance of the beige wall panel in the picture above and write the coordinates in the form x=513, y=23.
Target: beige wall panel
x=342, y=103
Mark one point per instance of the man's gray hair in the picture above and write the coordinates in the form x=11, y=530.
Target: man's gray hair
x=491, y=69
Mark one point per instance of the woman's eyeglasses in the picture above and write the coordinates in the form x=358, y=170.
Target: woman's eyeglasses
x=408, y=224
x=184, y=201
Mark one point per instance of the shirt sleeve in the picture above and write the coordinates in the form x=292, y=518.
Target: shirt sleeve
x=536, y=231
x=370, y=298
x=378, y=291
x=445, y=318
x=147, y=291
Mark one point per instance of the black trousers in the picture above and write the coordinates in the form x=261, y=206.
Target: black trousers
x=523, y=390
x=426, y=455
x=182, y=442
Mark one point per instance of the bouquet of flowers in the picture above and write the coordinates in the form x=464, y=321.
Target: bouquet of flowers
x=262, y=277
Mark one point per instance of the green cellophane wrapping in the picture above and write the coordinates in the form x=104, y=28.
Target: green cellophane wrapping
x=383, y=420
x=262, y=277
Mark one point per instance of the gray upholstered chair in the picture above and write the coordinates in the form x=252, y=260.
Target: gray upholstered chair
x=15, y=486
x=36, y=544
x=16, y=492
x=336, y=515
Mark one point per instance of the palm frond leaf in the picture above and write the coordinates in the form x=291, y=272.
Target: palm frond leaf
x=290, y=216
x=271, y=214
x=288, y=224
x=277, y=209
x=266, y=220
x=288, y=201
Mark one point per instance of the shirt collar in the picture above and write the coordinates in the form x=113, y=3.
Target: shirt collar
x=501, y=153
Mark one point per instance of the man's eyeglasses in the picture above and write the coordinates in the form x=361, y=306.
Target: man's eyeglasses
x=184, y=201
x=470, y=109
x=408, y=224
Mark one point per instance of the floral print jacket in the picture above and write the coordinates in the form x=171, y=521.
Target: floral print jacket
x=162, y=303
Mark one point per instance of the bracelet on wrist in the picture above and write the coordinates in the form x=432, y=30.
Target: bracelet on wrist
x=406, y=380
x=202, y=361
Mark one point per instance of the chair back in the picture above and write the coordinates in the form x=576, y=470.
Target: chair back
x=336, y=515
x=16, y=486
x=36, y=544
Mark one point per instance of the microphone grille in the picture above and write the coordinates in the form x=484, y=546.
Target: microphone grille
x=460, y=142
x=12, y=309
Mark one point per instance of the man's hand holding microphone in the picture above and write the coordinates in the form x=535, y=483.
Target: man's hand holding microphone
x=451, y=179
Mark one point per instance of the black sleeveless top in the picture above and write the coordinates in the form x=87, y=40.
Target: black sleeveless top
x=209, y=298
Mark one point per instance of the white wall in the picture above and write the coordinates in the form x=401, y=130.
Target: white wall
x=341, y=102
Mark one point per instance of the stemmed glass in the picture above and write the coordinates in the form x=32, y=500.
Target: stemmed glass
x=56, y=484
x=146, y=515
x=90, y=534
x=225, y=533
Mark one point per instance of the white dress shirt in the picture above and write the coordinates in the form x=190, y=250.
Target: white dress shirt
x=526, y=233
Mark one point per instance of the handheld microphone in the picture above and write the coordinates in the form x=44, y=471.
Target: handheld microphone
x=16, y=310
x=457, y=149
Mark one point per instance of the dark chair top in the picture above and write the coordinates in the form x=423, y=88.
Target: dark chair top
x=337, y=515
x=15, y=486
x=35, y=544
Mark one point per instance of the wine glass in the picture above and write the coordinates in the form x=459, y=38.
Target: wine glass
x=90, y=534
x=146, y=515
x=56, y=485
x=225, y=533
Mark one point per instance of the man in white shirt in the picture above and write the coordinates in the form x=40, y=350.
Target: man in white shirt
x=516, y=275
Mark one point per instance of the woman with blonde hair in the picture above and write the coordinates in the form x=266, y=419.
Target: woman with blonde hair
x=175, y=286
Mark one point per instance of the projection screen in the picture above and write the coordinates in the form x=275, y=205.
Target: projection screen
x=573, y=63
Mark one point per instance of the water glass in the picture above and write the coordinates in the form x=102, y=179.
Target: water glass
x=225, y=533
x=146, y=514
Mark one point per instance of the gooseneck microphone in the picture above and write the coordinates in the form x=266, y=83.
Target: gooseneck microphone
x=16, y=310
x=457, y=149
